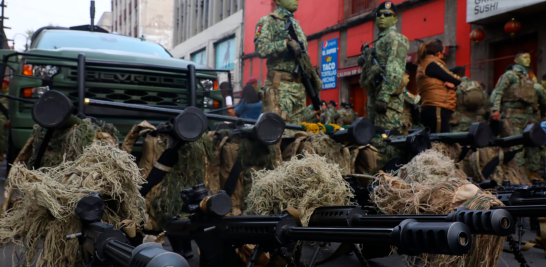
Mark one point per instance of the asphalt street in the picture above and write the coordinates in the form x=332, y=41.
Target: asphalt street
x=535, y=257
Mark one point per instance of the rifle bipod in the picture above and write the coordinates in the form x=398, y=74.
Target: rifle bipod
x=514, y=246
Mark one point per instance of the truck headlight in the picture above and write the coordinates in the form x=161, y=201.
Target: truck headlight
x=40, y=71
x=208, y=102
x=36, y=92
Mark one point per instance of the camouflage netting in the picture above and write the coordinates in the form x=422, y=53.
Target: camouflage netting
x=303, y=184
x=49, y=196
x=68, y=144
x=430, y=167
x=163, y=201
x=436, y=189
x=322, y=145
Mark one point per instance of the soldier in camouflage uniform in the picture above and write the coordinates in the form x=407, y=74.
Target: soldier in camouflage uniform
x=284, y=92
x=309, y=115
x=354, y=113
x=331, y=113
x=533, y=154
x=383, y=83
x=410, y=102
x=512, y=100
x=472, y=103
x=345, y=115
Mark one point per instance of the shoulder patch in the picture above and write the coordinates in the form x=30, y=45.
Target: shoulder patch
x=258, y=30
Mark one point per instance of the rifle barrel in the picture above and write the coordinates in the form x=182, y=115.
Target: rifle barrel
x=524, y=210
x=380, y=236
x=167, y=111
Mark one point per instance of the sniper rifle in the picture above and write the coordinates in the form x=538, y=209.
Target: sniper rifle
x=102, y=245
x=217, y=235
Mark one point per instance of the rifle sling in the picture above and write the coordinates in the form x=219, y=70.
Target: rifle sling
x=343, y=249
x=234, y=174
x=162, y=166
x=43, y=147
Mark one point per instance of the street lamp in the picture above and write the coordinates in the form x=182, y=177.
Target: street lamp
x=26, y=42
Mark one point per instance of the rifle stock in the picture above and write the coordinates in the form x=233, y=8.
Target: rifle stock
x=102, y=245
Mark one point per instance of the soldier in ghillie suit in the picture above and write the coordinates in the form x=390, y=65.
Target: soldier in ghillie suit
x=331, y=113
x=383, y=68
x=284, y=91
x=472, y=103
x=513, y=98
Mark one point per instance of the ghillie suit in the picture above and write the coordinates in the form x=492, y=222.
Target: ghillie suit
x=64, y=145
x=303, y=184
x=476, y=161
x=421, y=188
x=253, y=156
x=298, y=186
x=49, y=197
x=373, y=157
x=68, y=144
x=164, y=201
x=320, y=144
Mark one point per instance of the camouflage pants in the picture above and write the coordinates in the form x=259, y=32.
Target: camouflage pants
x=288, y=100
x=392, y=120
x=514, y=125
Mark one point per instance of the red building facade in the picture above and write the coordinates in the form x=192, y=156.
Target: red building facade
x=352, y=23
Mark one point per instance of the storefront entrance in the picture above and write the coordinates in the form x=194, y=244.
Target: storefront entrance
x=358, y=96
x=505, y=51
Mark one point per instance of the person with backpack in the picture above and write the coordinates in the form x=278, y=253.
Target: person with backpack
x=250, y=107
x=472, y=103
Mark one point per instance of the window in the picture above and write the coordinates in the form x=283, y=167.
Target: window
x=362, y=6
x=225, y=54
x=125, y=14
x=200, y=57
x=136, y=4
x=136, y=31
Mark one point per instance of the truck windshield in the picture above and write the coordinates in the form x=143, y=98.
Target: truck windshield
x=77, y=39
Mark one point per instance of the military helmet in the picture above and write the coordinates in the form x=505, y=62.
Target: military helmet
x=333, y=103
x=388, y=5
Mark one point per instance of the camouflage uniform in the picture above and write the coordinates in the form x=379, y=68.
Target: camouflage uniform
x=535, y=156
x=3, y=120
x=284, y=93
x=391, y=50
x=309, y=115
x=513, y=97
x=346, y=117
x=331, y=116
x=464, y=114
x=410, y=101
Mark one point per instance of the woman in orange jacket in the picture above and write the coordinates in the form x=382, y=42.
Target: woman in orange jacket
x=437, y=87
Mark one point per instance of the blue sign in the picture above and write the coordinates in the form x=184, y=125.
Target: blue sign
x=328, y=66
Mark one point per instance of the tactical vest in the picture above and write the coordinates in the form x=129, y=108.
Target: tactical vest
x=471, y=96
x=524, y=91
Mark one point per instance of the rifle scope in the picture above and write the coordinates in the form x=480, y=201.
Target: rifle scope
x=416, y=142
x=532, y=136
x=360, y=132
x=101, y=242
x=268, y=128
x=478, y=136
x=54, y=110
x=487, y=222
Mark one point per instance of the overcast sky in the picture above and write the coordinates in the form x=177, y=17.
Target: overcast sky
x=32, y=14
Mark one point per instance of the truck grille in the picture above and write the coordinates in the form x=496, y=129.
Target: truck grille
x=147, y=89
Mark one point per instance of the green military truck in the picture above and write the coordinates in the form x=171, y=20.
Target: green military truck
x=116, y=68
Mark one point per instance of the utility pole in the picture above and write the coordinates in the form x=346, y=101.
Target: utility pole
x=2, y=27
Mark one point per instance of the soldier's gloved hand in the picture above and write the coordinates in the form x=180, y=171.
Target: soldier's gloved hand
x=361, y=60
x=381, y=107
x=294, y=47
